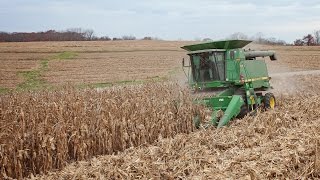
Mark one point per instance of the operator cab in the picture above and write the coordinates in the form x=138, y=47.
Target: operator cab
x=207, y=66
x=215, y=65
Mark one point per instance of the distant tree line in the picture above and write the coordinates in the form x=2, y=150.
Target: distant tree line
x=258, y=38
x=79, y=34
x=309, y=40
x=74, y=34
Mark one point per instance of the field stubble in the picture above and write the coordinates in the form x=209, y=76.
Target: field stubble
x=116, y=61
x=93, y=62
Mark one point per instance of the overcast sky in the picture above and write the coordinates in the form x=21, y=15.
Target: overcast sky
x=166, y=19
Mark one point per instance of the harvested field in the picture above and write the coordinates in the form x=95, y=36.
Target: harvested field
x=279, y=144
x=89, y=62
x=292, y=58
x=14, y=63
x=113, y=67
x=91, y=46
x=117, y=61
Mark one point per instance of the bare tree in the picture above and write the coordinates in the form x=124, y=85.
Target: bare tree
x=128, y=37
x=309, y=40
x=281, y=42
x=317, y=37
x=147, y=38
x=74, y=34
x=259, y=37
x=88, y=34
x=105, y=38
x=116, y=39
x=298, y=42
x=238, y=35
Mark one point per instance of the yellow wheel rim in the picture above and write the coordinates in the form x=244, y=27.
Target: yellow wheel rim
x=272, y=102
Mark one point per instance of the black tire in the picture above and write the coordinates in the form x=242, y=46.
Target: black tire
x=269, y=101
x=243, y=111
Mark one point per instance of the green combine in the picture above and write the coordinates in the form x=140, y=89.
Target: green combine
x=234, y=79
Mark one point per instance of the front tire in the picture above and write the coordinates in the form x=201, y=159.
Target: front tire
x=269, y=101
x=243, y=111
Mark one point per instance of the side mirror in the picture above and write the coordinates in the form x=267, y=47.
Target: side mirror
x=183, y=62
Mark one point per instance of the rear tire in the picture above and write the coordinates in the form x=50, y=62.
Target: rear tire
x=269, y=101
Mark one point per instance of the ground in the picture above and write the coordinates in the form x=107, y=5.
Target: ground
x=54, y=63
x=278, y=144
x=37, y=64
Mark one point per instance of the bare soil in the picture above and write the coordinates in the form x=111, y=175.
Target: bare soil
x=114, y=61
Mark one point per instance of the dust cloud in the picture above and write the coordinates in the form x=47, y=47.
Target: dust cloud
x=288, y=83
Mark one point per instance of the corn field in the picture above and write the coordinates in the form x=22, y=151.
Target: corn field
x=278, y=144
x=43, y=131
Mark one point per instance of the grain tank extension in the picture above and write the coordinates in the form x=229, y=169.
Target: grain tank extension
x=236, y=81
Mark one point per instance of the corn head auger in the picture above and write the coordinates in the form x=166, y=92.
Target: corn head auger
x=237, y=82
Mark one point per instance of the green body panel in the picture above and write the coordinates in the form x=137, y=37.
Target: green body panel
x=233, y=73
x=224, y=64
x=212, y=84
x=228, y=92
x=218, y=102
x=233, y=59
x=255, y=71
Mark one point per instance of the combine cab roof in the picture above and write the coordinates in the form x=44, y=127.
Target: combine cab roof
x=232, y=44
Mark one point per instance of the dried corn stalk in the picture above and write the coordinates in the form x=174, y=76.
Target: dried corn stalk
x=42, y=131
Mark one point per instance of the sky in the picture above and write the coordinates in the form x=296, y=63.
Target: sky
x=165, y=19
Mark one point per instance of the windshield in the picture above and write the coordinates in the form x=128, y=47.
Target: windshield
x=208, y=66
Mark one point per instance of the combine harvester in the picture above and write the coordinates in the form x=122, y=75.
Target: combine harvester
x=236, y=81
